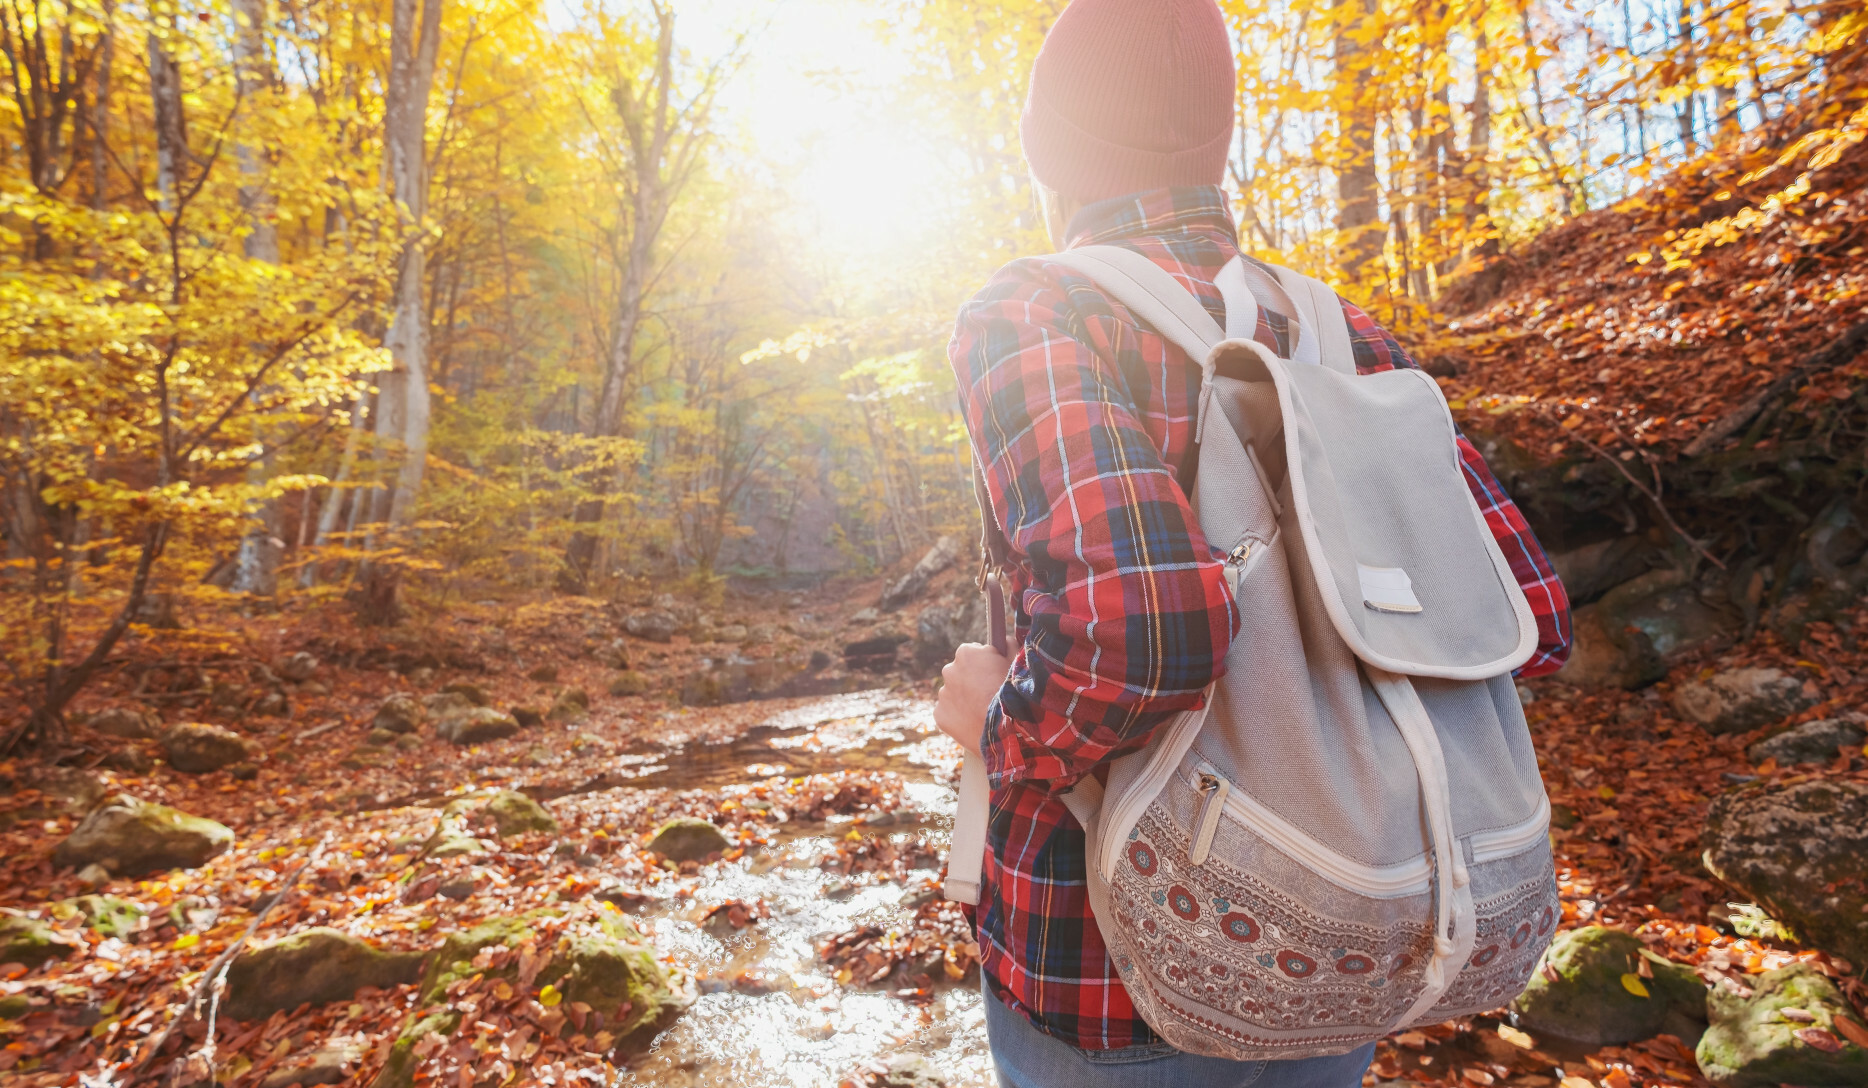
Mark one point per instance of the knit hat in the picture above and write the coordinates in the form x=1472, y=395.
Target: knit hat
x=1129, y=95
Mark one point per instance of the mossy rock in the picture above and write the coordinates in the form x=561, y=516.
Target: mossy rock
x=621, y=980
x=1752, y=1045
x=476, y=725
x=399, y=1070
x=31, y=942
x=129, y=837
x=15, y=1006
x=400, y=713
x=105, y=914
x=1589, y=1002
x=513, y=813
x=473, y=692
x=454, y=959
x=315, y=967
x=1800, y=851
x=451, y=837
x=572, y=704
x=686, y=838
x=629, y=683
x=198, y=748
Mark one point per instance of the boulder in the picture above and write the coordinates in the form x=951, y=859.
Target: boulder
x=476, y=725
x=198, y=748
x=1785, y=1032
x=442, y=704
x=122, y=721
x=686, y=838
x=1593, y=569
x=653, y=625
x=295, y=667
x=471, y=692
x=400, y=713
x=1626, y=638
x=105, y=914
x=513, y=813
x=311, y=967
x=30, y=942
x=572, y=704
x=944, y=553
x=128, y=837
x=941, y=628
x=1819, y=741
x=1737, y=700
x=629, y=683
x=875, y=654
x=734, y=633
x=1590, y=1001
x=544, y=674
x=608, y=968
x=451, y=837
x=1801, y=852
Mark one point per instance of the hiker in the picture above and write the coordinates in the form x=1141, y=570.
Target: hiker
x=1082, y=418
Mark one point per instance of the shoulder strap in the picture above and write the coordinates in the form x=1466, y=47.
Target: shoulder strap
x=1154, y=295
x=1320, y=313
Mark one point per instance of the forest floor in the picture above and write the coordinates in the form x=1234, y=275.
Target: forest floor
x=816, y=943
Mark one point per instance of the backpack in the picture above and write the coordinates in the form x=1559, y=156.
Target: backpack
x=1350, y=835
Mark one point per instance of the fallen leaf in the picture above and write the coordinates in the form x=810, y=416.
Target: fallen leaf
x=1632, y=983
x=1819, y=1039
x=550, y=995
x=1853, y=1031
x=1515, y=1037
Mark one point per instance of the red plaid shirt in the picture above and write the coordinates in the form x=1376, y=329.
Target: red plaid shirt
x=1079, y=413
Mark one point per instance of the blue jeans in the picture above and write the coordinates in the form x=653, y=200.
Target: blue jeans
x=1028, y=1058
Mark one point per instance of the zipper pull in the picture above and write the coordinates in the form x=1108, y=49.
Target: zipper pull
x=1214, y=790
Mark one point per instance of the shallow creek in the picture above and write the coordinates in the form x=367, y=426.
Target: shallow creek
x=770, y=1013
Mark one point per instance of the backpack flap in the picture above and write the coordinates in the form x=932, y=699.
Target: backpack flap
x=1379, y=510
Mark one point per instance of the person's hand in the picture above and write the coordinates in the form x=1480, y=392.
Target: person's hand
x=968, y=683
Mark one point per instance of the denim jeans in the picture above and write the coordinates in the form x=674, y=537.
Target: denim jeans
x=1028, y=1058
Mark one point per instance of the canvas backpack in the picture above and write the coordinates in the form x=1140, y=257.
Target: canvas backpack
x=1350, y=835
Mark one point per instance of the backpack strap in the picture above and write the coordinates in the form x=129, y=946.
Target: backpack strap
x=1320, y=315
x=1155, y=296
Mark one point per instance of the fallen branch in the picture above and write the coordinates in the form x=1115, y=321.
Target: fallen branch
x=318, y=730
x=1653, y=496
x=217, y=970
x=1831, y=355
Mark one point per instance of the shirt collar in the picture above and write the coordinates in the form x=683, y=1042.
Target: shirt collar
x=1186, y=211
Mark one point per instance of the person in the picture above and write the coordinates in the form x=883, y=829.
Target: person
x=1080, y=416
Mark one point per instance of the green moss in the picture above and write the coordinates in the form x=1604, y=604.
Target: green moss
x=399, y=1070
x=314, y=967
x=105, y=914
x=14, y=1006
x=621, y=980
x=514, y=813
x=30, y=942
x=685, y=838
x=1751, y=1045
x=1588, y=1003
x=454, y=959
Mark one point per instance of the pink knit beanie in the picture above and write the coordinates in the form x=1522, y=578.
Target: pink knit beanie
x=1129, y=95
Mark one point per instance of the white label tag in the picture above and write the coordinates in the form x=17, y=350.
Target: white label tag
x=1387, y=589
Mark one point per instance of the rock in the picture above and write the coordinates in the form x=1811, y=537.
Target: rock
x=313, y=687
x=944, y=553
x=471, y=692
x=30, y=942
x=69, y=791
x=315, y=967
x=653, y=625
x=400, y=713
x=544, y=674
x=105, y=914
x=330, y=1064
x=513, y=813
x=197, y=748
x=572, y=704
x=408, y=742
x=1753, y=1044
x=381, y=738
x=1593, y=569
x=629, y=683
x=1819, y=741
x=93, y=876
x=129, y=761
x=128, y=837
x=909, y=1071
x=243, y=772
x=941, y=628
x=121, y=721
x=686, y=838
x=1627, y=638
x=1740, y=699
x=1588, y=1003
x=15, y=1006
x=442, y=704
x=864, y=615
x=613, y=654
x=272, y=704
x=296, y=667
x=760, y=634
x=873, y=654
x=734, y=633
x=1801, y=852
x=526, y=716
x=476, y=725
x=451, y=837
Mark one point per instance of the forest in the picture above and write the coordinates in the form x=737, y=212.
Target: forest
x=484, y=503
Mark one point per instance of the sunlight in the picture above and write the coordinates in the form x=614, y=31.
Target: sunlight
x=814, y=104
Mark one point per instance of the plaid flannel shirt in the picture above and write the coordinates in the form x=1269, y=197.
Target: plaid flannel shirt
x=1079, y=414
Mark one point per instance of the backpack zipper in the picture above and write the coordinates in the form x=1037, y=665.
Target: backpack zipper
x=1215, y=788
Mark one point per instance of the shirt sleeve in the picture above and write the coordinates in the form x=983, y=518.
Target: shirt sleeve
x=1376, y=350
x=1129, y=616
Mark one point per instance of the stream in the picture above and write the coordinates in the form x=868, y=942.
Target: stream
x=771, y=1014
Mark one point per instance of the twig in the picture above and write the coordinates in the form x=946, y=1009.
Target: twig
x=1653, y=496
x=317, y=730
x=218, y=969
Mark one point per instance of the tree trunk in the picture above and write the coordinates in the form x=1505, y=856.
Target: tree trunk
x=402, y=404
x=1358, y=219
x=165, y=93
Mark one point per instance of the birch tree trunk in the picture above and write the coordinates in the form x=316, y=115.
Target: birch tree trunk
x=1358, y=215
x=402, y=408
